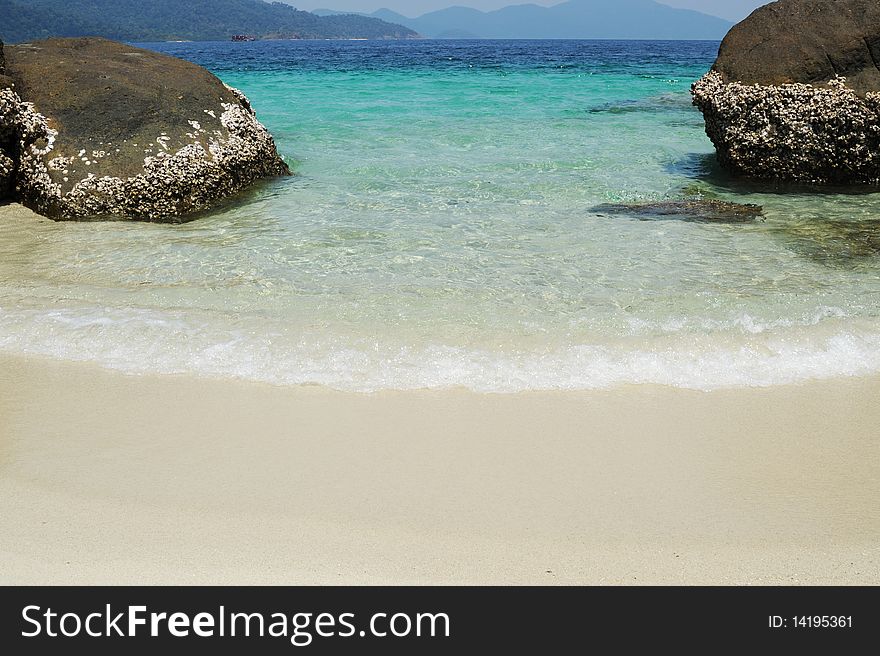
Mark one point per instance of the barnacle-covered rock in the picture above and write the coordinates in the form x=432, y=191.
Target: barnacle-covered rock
x=799, y=132
x=794, y=95
x=8, y=107
x=110, y=131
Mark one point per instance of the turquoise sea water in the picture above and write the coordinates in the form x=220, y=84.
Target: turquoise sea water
x=439, y=233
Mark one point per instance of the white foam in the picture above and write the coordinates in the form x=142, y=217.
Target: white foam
x=141, y=341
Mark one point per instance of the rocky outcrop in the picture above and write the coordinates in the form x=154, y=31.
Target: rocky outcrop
x=807, y=42
x=7, y=163
x=794, y=95
x=110, y=131
x=7, y=133
x=697, y=211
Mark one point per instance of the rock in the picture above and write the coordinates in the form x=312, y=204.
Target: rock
x=7, y=163
x=107, y=130
x=832, y=242
x=794, y=95
x=699, y=211
x=7, y=168
x=807, y=42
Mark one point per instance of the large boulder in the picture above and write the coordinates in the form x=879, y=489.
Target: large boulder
x=108, y=130
x=794, y=95
x=806, y=41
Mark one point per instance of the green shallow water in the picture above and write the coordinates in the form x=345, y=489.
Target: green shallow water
x=439, y=232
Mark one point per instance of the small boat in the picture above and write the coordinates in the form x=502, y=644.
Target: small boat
x=243, y=37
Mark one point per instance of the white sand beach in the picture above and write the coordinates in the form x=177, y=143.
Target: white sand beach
x=511, y=321
x=117, y=479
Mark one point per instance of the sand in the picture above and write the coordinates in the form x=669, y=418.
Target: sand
x=16, y=211
x=113, y=479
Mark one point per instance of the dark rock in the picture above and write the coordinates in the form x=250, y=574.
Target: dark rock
x=7, y=169
x=7, y=163
x=699, y=211
x=805, y=41
x=5, y=82
x=107, y=130
x=793, y=93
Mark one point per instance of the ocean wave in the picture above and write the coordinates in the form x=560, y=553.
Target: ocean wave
x=141, y=341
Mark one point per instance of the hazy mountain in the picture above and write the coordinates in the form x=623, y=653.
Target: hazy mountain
x=576, y=19
x=198, y=20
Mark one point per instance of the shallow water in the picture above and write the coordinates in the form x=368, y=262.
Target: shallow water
x=439, y=233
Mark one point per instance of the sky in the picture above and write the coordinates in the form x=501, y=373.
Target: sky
x=731, y=9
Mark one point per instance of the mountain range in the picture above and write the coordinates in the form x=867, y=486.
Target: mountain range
x=202, y=20
x=169, y=20
x=575, y=19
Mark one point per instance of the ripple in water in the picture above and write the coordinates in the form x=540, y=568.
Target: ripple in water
x=439, y=233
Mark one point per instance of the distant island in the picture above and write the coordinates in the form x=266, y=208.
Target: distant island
x=576, y=19
x=192, y=20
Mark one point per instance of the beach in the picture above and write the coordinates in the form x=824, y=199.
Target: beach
x=457, y=346
x=108, y=478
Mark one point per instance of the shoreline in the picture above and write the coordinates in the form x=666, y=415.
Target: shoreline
x=120, y=479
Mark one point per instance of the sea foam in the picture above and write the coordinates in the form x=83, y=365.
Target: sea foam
x=144, y=342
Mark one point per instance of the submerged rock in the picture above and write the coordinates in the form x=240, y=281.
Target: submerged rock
x=107, y=130
x=700, y=211
x=794, y=95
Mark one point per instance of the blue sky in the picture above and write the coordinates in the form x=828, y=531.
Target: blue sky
x=730, y=9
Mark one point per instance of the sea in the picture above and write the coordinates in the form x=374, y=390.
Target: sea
x=440, y=232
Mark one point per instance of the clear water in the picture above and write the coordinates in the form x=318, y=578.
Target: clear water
x=439, y=233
